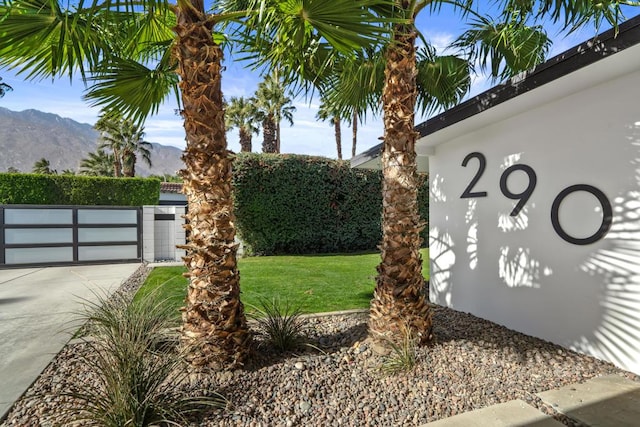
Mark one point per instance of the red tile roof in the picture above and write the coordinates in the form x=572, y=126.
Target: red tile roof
x=170, y=187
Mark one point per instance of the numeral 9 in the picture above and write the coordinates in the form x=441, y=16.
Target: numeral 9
x=524, y=196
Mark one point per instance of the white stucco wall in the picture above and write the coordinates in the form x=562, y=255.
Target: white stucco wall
x=517, y=271
x=161, y=237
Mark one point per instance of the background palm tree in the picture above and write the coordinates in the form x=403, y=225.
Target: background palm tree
x=43, y=167
x=332, y=113
x=125, y=139
x=98, y=163
x=242, y=113
x=273, y=105
x=4, y=88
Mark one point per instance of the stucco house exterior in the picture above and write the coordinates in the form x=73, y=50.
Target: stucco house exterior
x=534, y=217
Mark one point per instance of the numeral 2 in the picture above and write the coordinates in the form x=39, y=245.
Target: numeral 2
x=482, y=164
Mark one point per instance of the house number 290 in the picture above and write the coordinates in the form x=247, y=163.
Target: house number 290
x=523, y=196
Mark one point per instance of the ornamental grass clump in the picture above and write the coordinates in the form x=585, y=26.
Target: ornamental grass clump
x=136, y=373
x=282, y=325
x=403, y=355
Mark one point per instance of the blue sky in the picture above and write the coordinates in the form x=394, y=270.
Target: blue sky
x=306, y=136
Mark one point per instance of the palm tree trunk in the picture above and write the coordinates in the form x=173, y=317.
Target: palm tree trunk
x=128, y=164
x=399, y=299
x=245, y=140
x=336, y=124
x=214, y=324
x=277, y=136
x=117, y=165
x=354, y=133
x=269, y=141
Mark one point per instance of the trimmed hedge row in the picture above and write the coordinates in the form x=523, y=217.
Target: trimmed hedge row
x=34, y=189
x=303, y=204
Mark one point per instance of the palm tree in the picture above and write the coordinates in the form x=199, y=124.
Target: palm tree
x=110, y=138
x=243, y=114
x=273, y=105
x=98, y=163
x=43, y=166
x=330, y=112
x=4, y=88
x=111, y=43
x=125, y=139
x=425, y=80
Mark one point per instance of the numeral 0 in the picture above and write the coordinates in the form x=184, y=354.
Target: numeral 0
x=524, y=196
x=607, y=214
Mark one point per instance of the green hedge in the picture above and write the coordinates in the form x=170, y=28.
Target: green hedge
x=34, y=189
x=303, y=204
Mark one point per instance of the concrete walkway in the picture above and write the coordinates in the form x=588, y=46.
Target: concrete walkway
x=37, y=320
x=609, y=401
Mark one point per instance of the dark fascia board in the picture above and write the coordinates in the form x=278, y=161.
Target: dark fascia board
x=587, y=53
x=580, y=56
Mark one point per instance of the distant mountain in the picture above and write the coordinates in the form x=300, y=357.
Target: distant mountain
x=27, y=136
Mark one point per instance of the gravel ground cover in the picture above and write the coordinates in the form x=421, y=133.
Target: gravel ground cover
x=471, y=364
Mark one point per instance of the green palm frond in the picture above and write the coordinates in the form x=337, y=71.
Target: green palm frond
x=151, y=30
x=442, y=80
x=131, y=88
x=504, y=48
x=356, y=84
x=576, y=13
x=335, y=22
x=98, y=163
x=42, y=39
x=299, y=37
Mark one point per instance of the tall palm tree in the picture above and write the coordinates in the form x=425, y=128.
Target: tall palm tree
x=242, y=113
x=110, y=138
x=98, y=163
x=125, y=139
x=421, y=79
x=131, y=52
x=273, y=105
x=331, y=113
x=43, y=166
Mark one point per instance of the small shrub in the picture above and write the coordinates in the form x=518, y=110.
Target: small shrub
x=282, y=325
x=137, y=371
x=403, y=356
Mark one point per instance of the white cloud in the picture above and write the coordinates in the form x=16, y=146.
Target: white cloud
x=440, y=41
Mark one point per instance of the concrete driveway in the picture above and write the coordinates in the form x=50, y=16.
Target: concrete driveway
x=37, y=308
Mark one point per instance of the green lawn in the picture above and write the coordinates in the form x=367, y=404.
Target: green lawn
x=314, y=283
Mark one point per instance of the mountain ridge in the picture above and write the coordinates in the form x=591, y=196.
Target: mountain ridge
x=29, y=135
